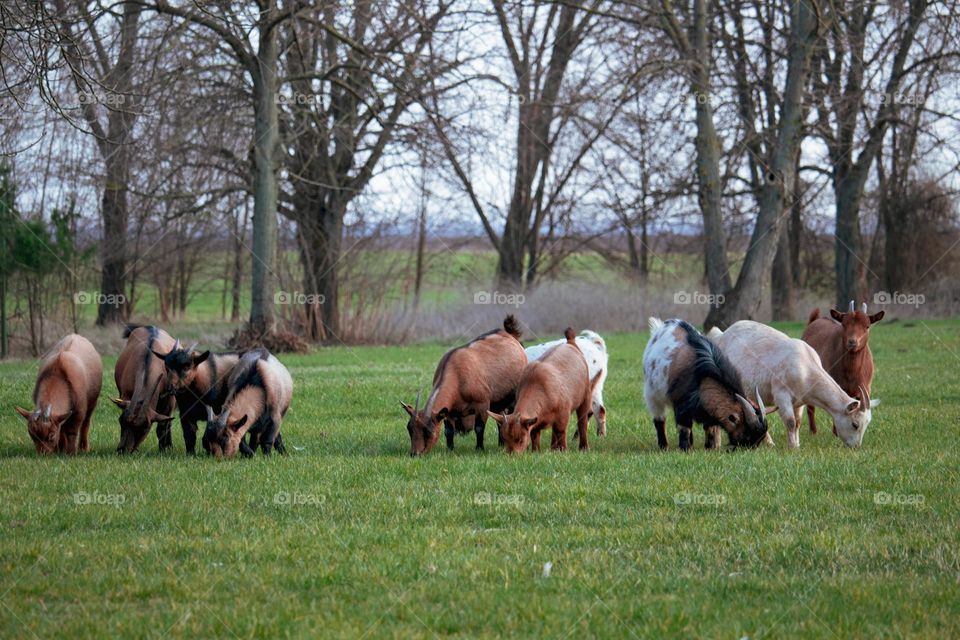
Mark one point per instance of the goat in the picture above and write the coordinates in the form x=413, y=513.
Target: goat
x=594, y=350
x=469, y=381
x=842, y=342
x=198, y=380
x=144, y=396
x=64, y=396
x=552, y=387
x=688, y=372
x=789, y=374
x=259, y=393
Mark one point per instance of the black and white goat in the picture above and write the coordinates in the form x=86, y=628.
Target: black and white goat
x=684, y=370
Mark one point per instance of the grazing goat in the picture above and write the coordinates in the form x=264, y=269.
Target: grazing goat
x=842, y=342
x=684, y=370
x=141, y=382
x=64, y=397
x=552, y=387
x=594, y=350
x=198, y=380
x=469, y=381
x=259, y=393
x=788, y=374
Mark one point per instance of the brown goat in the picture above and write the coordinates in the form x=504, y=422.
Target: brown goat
x=469, y=381
x=551, y=389
x=141, y=381
x=842, y=342
x=260, y=390
x=199, y=380
x=64, y=397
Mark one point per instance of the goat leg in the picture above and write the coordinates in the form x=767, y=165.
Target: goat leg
x=661, y=426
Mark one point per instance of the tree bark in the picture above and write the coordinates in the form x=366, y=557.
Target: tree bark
x=744, y=300
x=265, y=141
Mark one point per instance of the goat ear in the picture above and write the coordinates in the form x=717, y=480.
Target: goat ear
x=236, y=424
x=836, y=315
x=874, y=402
x=734, y=418
x=853, y=406
x=441, y=414
x=410, y=410
x=528, y=422
x=120, y=402
x=162, y=356
x=26, y=414
x=197, y=359
x=62, y=418
x=159, y=417
x=877, y=317
x=496, y=417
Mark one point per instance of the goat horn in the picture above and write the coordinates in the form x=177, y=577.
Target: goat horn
x=745, y=405
x=176, y=345
x=852, y=305
x=46, y=412
x=863, y=307
x=865, y=397
x=192, y=347
x=210, y=416
x=763, y=409
x=416, y=404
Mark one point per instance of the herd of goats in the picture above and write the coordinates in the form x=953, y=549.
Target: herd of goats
x=721, y=380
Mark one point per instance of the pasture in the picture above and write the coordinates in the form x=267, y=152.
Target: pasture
x=349, y=537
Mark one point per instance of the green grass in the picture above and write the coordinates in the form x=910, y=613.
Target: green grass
x=371, y=542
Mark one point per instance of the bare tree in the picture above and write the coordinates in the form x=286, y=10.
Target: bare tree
x=101, y=76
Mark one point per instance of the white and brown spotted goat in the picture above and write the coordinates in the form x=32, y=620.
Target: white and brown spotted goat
x=260, y=391
x=684, y=370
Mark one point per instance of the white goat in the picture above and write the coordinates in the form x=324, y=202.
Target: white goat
x=594, y=350
x=788, y=374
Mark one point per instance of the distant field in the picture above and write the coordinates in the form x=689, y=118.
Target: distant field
x=449, y=275
x=349, y=537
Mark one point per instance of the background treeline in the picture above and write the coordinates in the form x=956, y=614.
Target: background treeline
x=367, y=171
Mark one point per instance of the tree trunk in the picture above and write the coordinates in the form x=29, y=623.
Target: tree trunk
x=707, y=145
x=113, y=248
x=849, y=245
x=782, y=295
x=265, y=140
x=239, y=234
x=744, y=300
x=320, y=242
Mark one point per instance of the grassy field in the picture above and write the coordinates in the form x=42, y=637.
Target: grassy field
x=349, y=537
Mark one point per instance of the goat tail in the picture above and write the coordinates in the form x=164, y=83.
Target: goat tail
x=814, y=315
x=654, y=324
x=570, y=336
x=512, y=326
